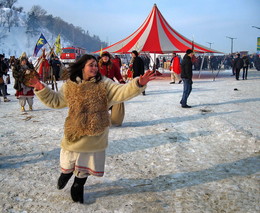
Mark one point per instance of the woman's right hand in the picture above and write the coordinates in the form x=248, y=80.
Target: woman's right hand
x=36, y=83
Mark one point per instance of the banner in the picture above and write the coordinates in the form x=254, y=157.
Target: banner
x=57, y=44
x=258, y=45
x=40, y=43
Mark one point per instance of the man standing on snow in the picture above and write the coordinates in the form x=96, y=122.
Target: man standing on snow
x=138, y=65
x=175, y=69
x=238, y=64
x=186, y=75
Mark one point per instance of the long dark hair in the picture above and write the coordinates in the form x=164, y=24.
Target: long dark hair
x=75, y=70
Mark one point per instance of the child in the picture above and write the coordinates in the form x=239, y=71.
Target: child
x=88, y=95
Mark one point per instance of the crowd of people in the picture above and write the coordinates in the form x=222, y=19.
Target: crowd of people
x=94, y=92
x=110, y=66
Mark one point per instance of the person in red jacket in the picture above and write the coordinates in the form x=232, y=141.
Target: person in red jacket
x=111, y=70
x=175, y=69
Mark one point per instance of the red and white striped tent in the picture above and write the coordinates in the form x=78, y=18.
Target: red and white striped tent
x=155, y=35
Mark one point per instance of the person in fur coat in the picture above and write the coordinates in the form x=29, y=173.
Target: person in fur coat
x=88, y=95
x=23, y=92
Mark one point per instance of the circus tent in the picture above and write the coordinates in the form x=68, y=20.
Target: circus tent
x=155, y=35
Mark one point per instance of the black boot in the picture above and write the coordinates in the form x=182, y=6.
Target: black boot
x=63, y=180
x=77, y=190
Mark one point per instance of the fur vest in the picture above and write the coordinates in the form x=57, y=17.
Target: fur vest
x=88, y=109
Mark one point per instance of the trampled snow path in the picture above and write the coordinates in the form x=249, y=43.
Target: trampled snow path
x=162, y=159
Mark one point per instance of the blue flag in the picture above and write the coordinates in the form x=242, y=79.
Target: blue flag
x=40, y=43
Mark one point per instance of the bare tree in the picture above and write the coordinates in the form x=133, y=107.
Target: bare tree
x=9, y=19
x=38, y=11
x=9, y=3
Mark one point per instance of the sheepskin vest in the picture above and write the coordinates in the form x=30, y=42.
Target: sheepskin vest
x=88, y=109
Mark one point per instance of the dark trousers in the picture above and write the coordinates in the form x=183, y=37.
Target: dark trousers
x=2, y=90
x=245, y=69
x=237, y=73
x=187, y=87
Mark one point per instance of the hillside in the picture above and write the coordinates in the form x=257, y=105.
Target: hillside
x=19, y=32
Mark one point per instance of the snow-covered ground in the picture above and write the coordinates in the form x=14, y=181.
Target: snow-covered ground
x=162, y=159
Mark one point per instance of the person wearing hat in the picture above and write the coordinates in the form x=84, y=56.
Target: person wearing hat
x=186, y=75
x=111, y=70
x=23, y=93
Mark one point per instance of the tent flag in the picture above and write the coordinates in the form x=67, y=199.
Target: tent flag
x=155, y=35
x=40, y=43
x=57, y=44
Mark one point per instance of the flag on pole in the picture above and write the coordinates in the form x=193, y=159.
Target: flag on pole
x=57, y=44
x=101, y=51
x=40, y=43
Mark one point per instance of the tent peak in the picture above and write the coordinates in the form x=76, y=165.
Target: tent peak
x=155, y=5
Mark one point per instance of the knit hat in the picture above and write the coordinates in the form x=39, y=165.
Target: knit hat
x=106, y=54
x=189, y=51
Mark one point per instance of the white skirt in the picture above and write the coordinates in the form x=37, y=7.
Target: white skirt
x=82, y=164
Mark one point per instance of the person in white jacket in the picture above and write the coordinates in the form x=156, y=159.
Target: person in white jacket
x=88, y=95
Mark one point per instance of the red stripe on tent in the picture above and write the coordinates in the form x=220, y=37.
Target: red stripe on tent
x=152, y=43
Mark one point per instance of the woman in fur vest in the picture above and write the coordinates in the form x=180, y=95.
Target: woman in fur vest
x=88, y=95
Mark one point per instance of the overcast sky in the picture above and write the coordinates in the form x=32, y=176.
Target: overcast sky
x=207, y=21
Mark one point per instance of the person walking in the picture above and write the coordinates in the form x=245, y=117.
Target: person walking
x=111, y=70
x=138, y=65
x=238, y=64
x=175, y=69
x=88, y=95
x=186, y=75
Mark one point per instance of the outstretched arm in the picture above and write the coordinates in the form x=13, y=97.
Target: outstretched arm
x=144, y=79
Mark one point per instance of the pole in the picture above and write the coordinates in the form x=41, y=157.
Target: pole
x=231, y=43
x=210, y=44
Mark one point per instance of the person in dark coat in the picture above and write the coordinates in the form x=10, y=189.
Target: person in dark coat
x=245, y=66
x=138, y=65
x=56, y=64
x=186, y=76
x=238, y=64
x=257, y=62
x=3, y=71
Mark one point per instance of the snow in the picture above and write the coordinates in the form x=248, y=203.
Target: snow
x=162, y=159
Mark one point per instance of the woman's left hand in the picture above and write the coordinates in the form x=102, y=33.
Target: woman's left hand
x=148, y=76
